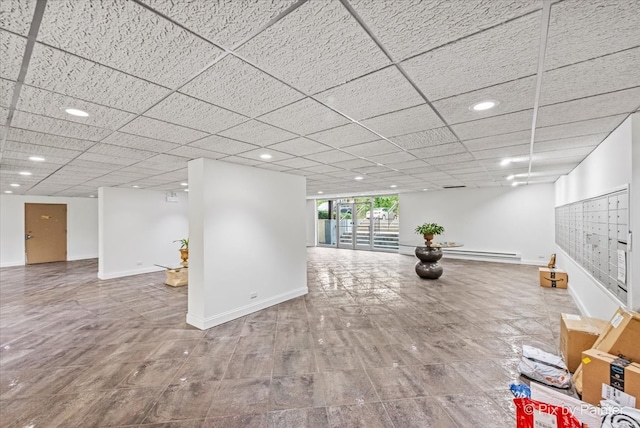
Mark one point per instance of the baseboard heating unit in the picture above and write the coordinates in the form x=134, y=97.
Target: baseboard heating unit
x=496, y=256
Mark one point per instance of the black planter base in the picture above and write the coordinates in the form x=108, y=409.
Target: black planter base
x=428, y=266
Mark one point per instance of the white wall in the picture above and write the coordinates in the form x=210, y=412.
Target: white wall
x=312, y=223
x=513, y=219
x=607, y=168
x=634, y=216
x=241, y=243
x=137, y=228
x=82, y=227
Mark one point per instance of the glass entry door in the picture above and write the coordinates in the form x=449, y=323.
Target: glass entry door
x=355, y=231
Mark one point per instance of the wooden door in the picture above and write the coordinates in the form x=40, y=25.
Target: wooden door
x=45, y=233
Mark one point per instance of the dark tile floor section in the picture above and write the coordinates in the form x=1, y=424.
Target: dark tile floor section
x=371, y=345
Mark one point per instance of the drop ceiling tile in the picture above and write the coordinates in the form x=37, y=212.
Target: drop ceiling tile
x=409, y=28
x=193, y=113
x=223, y=145
x=585, y=29
x=12, y=48
x=605, y=74
x=407, y=121
x=257, y=133
x=344, y=136
x=4, y=114
x=95, y=166
x=506, y=52
x=152, y=128
x=273, y=167
x=353, y=164
x=427, y=153
x=408, y=164
x=426, y=138
x=300, y=147
x=23, y=157
x=575, y=129
x=317, y=46
x=496, y=141
x=106, y=159
x=170, y=162
x=16, y=15
x=139, y=170
x=138, y=142
x=276, y=156
x=45, y=103
x=155, y=49
x=440, y=161
x=512, y=96
x=28, y=149
x=624, y=101
x=120, y=151
x=297, y=163
x=432, y=175
x=331, y=156
x=576, y=152
x=241, y=161
x=373, y=148
x=321, y=169
x=581, y=141
x=6, y=92
x=495, y=125
x=465, y=166
x=38, y=138
x=254, y=92
x=70, y=75
x=391, y=158
x=377, y=93
x=59, y=127
x=304, y=117
x=195, y=153
x=519, y=150
x=226, y=22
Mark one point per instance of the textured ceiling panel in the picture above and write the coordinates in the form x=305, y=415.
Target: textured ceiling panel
x=93, y=166
x=195, y=153
x=223, y=145
x=444, y=160
x=496, y=125
x=138, y=142
x=193, y=113
x=590, y=108
x=597, y=76
x=6, y=92
x=106, y=160
x=174, y=162
x=226, y=22
x=495, y=141
x=506, y=52
x=304, y=117
x=67, y=74
x=317, y=46
x=156, y=49
x=241, y=161
x=392, y=158
x=407, y=28
x=440, y=150
x=45, y=103
x=297, y=163
x=584, y=29
x=16, y=15
x=564, y=153
x=258, y=133
x=300, y=147
x=574, y=129
x=276, y=156
x=512, y=96
x=12, y=48
x=353, y=164
x=427, y=138
x=253, y=92
x=23, y=157
x=119, y=151
x=519, y=150
x=377, y=147
x=413, y=119
x=321, y=169
x=157, y=129
x=59, y=127
x=372, y=95
x=567, y=143
x=29, y=149
x=331, y=156
x=344, y=136
x=273, y=167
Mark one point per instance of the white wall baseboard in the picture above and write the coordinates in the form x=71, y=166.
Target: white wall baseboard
x=579, y=303
x=12, y=264
x=132, y=272
x=204, y=324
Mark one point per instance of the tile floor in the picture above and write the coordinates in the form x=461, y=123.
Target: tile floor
x=371, y=345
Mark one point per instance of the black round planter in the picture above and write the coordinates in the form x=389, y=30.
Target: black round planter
x=428, y=266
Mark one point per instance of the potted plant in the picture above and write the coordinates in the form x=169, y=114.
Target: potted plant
x=429, y=230
x=184, y=250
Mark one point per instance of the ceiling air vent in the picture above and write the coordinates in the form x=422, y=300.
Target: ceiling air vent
x=453, y=187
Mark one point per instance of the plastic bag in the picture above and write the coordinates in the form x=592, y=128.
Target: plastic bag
x=535, y=414
x=625, y=417
x=520, y=390
x=544, y=367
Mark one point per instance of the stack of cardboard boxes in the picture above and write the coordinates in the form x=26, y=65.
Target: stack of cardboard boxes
x=607, y=365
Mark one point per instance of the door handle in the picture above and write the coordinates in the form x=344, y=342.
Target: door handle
x=27, y=237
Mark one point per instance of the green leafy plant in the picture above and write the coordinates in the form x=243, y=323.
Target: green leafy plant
x=429, y=229
x=184, y=243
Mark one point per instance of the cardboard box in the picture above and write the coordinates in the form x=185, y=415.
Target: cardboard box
x=606, y=376
x=620, y=337
x=553, y=278
x=577, y=334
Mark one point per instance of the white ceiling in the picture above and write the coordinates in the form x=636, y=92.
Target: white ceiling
x=332, y=89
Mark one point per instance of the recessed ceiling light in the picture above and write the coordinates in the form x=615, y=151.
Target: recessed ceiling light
x=424, y=190
x=186, y=190
x=358, y=178
x=135, y=186
x=511, y=177
x=505, y=162
x=515, y=183
x=320, y=192
x=379, y=164
x=393, y=186
x=484, y=105
x=8, y=191
x=265, y=156
x=76, y=112
x=36, y=158
x=184, y=184
x=14, y=185
x=24, y=173
x=92, y=196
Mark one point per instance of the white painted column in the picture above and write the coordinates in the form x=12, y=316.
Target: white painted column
x=633, y=276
